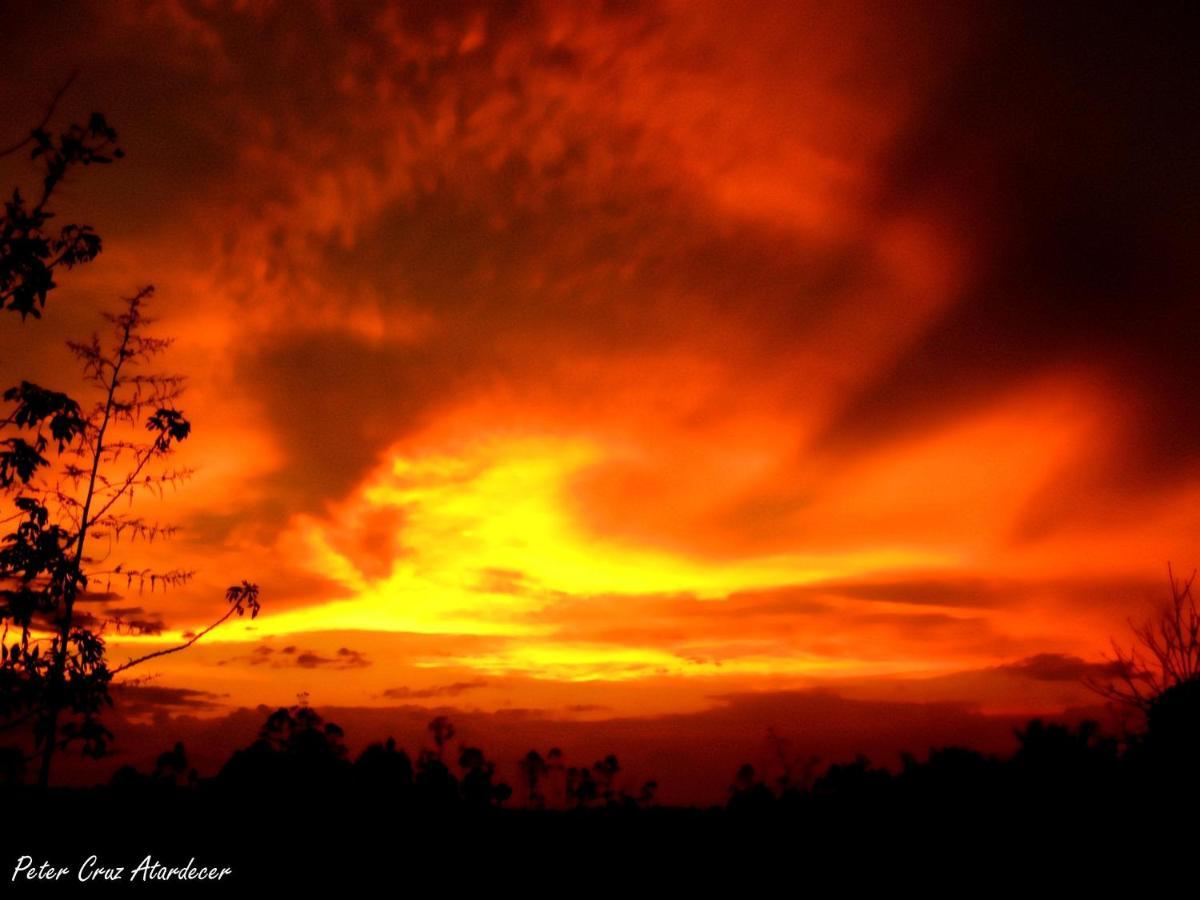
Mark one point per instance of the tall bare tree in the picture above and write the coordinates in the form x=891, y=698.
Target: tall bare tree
x=1165, y=651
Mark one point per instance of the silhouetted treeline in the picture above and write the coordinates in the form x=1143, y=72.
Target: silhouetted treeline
x=296, y=807
x=297, y=756
x=298, y=752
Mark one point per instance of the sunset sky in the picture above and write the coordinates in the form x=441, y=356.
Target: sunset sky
x=637, y=362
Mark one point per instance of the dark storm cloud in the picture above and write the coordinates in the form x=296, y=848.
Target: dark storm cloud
x=137, y=699
x=510, y=307
x=917, y=591
x=781, y=622
x=120, y=621
x=952, y=591
x=1066, y=144
x=1059, y=141
x=336, y=401
x=1060, y=137
x=1060, y=667
x=293, y=657
x=345, y=658
x=441, y=690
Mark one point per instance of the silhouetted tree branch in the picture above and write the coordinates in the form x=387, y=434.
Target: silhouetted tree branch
x=59, y=664
x=30, y=250
x=242, y=597
x=1165, y=651
x=41, y=126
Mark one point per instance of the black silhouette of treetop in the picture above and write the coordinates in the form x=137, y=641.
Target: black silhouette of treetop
x=71, y=474
x=31, y=250
x=442, y=730
x=1165, y=651
x=534, y=770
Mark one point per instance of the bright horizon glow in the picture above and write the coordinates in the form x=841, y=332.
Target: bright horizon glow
x=489, y=543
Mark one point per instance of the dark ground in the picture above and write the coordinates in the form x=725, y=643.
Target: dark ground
x=357, y=844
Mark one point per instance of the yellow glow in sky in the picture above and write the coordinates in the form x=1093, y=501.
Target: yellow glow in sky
x=489, y=541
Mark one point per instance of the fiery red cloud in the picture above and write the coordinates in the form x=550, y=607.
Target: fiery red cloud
x=611, y=359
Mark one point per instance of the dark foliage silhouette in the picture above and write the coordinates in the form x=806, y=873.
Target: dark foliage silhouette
x=299, y=755
x=534, y=771
x=748, y=794
x=581, y=787
x=1058, y=770
x=479, y=788
x=69, y=471
x=1165, y=651
x=443, y=732
x=295, y=746
x=1170, y=747
x=32, y=250
x=294, y=794
x=385, y=768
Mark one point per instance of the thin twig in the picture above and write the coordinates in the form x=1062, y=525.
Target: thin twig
x=7, y=151
x=157, y=653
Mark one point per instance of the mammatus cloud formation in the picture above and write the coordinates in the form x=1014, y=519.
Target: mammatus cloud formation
x=629, y=355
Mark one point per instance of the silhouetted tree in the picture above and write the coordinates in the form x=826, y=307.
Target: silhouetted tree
x=296, y=749
x=954, y=776
x=436, y=786
x=171, y=771
x=795, y=771
x=1165, y=651
x=1060, y=773
x=479, y=790
x=12, y=765
x=648, y=793
x=581, y=787
x=534, y=770
x=382, y=767
x=443, y=733
x=172, y=768
x=58, y=663
x=556, y=773
x=748, y=794
x=1170, y=748
x=31, y=251
x=1064, y=765
x=853, y=783
x=128, y=779
x=606, y=770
